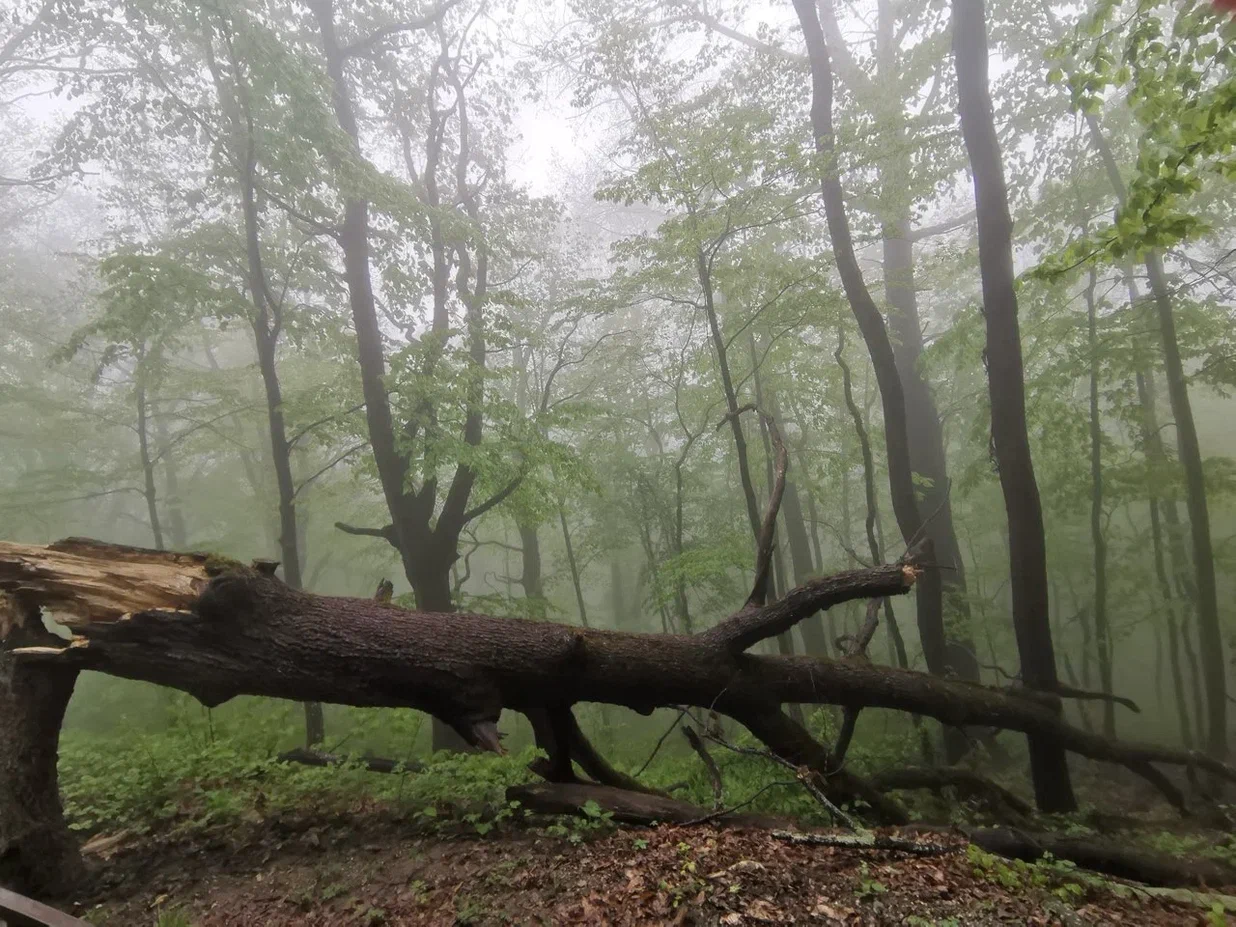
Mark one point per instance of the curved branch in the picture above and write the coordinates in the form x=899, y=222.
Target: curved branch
x=386, y=533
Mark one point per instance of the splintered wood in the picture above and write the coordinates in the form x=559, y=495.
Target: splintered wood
x=92, y=581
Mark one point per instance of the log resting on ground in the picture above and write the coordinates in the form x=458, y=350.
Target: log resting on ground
x=218, y=629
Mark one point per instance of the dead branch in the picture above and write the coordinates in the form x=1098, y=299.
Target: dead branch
x=867, y=842
x=714, y=774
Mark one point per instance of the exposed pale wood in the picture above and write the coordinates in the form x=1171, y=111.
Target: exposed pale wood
x=91, y=581
x=19, y=911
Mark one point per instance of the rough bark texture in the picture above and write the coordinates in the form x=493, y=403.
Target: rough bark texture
x=139, y=615
x=1006, y=379
x=38, y=853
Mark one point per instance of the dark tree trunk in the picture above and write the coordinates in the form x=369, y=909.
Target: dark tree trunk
x=1152, y=448
x=1102, y=633
x=815, y=637
x=149, y=490
x=929, y=594
x=573, y=564
x=267, y=324
x=785, y=642
x=38, y=852
x=873, y=544
x=1027, y=545
x=1214, y=669
x=426, y=535
x=1209, y=628
x=218, y=632
x=530, y=577
x=171, y=484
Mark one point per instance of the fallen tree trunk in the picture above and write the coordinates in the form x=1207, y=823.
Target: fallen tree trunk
x=1106, y=857
x=217, y=629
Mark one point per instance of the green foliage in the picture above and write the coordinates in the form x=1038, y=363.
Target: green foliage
x=868, y=888
x=189, y=777
x=1059, y=876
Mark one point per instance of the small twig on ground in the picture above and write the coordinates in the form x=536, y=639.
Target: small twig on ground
x=865, y=842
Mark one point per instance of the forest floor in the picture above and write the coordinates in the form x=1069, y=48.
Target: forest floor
x=371, y=868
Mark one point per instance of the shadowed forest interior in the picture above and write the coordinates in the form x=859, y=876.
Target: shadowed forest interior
x=514, y=425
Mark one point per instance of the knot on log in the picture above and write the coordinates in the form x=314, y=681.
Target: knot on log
x=231, y=596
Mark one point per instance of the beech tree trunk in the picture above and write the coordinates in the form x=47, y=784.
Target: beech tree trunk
x=1214, y=668
x=38, y=853
x=1027, y=545
x=530, y=575
x=148, y=468
x=1210, y=636
x=1102, y=632
x=929, y=594
x=219, y=630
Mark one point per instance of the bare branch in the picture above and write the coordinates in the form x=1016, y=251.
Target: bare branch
x=377, y=37
x=387, y=533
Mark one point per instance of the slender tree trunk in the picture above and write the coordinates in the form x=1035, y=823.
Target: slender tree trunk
x=148, y=467
x=929, y=591
x=1103, y=641
x=576, y=579
x=1152, y=448
x=1027, y=544
x=266, y=323
x=530, y=578
x=873, y=543
x=1214, y=667
x=1210, y=636
x=785, y=642
x=171, y=485
x=680, y=591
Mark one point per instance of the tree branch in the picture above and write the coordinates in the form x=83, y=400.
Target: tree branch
x=375, y=38
x=752, y=624
x=387, y=533
x=495, y=500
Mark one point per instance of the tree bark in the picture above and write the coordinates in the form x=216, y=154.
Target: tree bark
x=38, y=853
x=1210, y=636
x=149, y=491
x=426, y=535
x=576, y=580
x=929, y=594
x=1214, y=670
x=1006, y=379
x=530, y=577
x=1102, y=633
x=218, y=630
